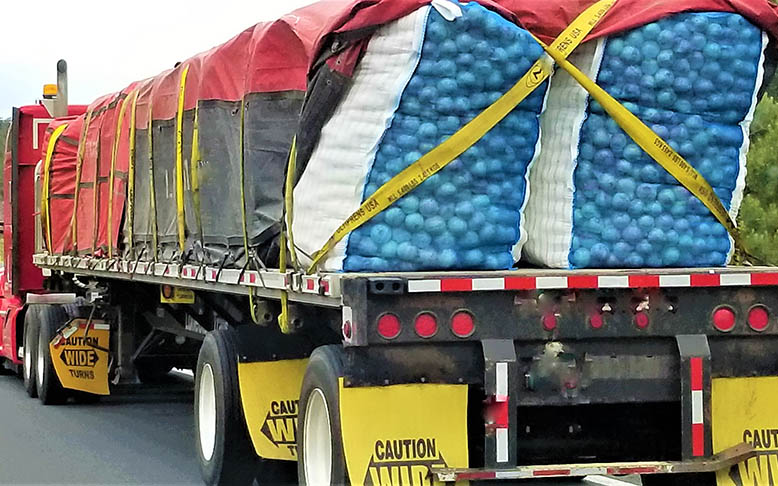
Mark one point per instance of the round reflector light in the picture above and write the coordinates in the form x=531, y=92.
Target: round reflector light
x=724, y=319
x=549, y=321
x=347, y=329
x=641, y=320
x=462, y=324
x=389, y=326
x=426, y=325
x=596, y=321
x=758, y=318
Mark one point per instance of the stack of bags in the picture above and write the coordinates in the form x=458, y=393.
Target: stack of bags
x=422, y=78
x=598, y=200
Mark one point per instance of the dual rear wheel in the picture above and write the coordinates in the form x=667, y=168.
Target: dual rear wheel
x=41, y=324
x=224, y=448
x=50, y=391
x=30, y=356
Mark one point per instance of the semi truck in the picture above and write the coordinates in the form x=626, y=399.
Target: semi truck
x=396, y=378
x=150, y=352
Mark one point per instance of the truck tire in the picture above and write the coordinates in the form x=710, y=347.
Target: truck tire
x=697, y=479
x=30, y=356
x=224, y=449
x=319, y=438
x=50, y=390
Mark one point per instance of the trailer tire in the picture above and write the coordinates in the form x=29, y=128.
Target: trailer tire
x=321, y=461
x=224, y=449
x=50, y=390
x=30, y=357
x=696, y=479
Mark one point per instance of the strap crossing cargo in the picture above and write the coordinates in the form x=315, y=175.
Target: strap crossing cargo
x=180, y=162
x=111, y=179
x=45, y=213
x=559, y=50
x=437, y=158
x=131, y=173
x=653, y=145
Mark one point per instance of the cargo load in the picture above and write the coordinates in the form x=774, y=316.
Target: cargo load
x=421, y=79
x=597, y=199
x=190, y=166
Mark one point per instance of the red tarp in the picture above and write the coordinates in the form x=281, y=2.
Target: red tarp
x=277, y=57
x=62, y=178
x=86, y=202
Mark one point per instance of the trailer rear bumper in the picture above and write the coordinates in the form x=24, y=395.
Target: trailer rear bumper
x=722, y=460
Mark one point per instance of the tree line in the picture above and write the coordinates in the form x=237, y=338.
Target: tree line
x=5, y=125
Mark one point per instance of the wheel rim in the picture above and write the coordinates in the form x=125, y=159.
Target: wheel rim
x=317, y=440
x=206, y=412
x=27, y=360
x=39, y=368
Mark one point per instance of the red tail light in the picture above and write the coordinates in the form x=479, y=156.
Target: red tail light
x=549, y=321
x=724, y=319
x=462, y=324
x=389, y=326
x=641, y=320
x=496, y=413
x=758, y=318
x=596, y=320
x=426, y=325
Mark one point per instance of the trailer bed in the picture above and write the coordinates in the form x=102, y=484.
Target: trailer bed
x=325, y=288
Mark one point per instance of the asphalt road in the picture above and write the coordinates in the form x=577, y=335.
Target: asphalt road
x=144, y=438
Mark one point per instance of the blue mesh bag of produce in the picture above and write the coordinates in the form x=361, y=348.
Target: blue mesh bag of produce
x=421, y=79
x=597, y=199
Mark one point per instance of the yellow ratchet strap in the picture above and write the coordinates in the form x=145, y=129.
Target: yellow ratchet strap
x=653, y=145
x=180, y=162
x=45, y=193
x=195, y=160
x=112, y=177
x=243, y=206
x=283, y=317
x=131, y=176
x=289, y=199
x=437, y=158
x=95, y=180
x=79, y=165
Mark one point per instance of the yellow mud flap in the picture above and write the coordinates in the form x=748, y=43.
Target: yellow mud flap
x=270, y=392
x=746, y=410
x=395, y=435
x=169, y=294
x=80, y=354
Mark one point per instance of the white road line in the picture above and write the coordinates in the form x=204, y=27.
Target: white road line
x=603, y=481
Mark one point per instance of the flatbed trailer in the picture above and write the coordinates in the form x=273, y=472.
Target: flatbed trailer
x=562, y=373
x=395, y=378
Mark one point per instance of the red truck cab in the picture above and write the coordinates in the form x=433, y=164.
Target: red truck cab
x=18, y=275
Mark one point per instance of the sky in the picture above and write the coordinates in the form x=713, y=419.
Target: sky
x=108, y=43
